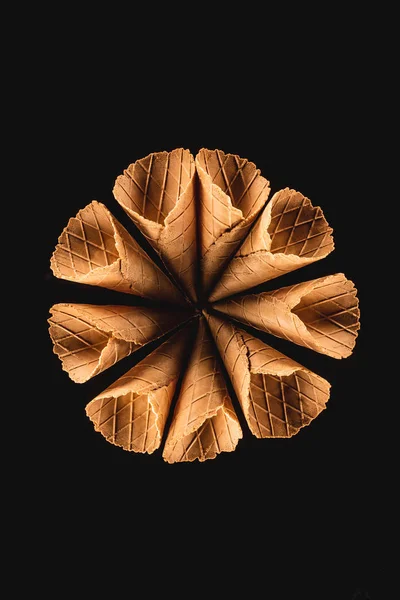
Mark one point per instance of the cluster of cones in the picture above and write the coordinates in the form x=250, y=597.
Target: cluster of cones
x=210, y=221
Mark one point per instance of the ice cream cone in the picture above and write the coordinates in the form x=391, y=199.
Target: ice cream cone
x=231, y=195
x=158, y=193
x=89, y=339
x=133, y=411
x=278, y=396
x=204, y=422
x=289, y=234
x=321, y=314
x=96, y=249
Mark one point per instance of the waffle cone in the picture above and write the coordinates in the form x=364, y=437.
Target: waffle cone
x=289, y=234
x=132, y=412
x=321, y=314
x=89, y=339
x=204, y=422
x=158, y=193
x=96, y=249
x=278, y=396
x=231, y=193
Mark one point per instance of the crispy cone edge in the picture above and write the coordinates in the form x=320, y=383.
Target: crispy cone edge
x=204, y=423
x=94, y=248
x=225, y=218
x=88, y=339
x=158, y=194
x=289, y=234
x=321, y=314
x=278, y=396
x=132, y=412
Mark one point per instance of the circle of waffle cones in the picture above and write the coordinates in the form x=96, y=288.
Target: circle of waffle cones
x=218, y=234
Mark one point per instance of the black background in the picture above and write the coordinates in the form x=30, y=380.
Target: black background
x=301, y=124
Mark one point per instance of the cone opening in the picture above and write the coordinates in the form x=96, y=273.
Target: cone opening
x=86, y=244
x=216, y=434
x=78, y=345
x=127, y=421
x=236, y=177
x=331, y=315
x=297, y=227
x=152, y=186
x=281, y=404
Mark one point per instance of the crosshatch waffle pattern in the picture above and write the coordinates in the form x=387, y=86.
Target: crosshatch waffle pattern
x=277, y=395
x=96, y=249
x=321, y=314
x=158, y=193
x=231, y=195
x=133, y=411
x=204, y=422
x=210, y=220
x=289, y=234
x=297, y=227
x=89, y=339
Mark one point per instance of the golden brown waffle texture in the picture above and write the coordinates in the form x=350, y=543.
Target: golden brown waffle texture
x=213, y=234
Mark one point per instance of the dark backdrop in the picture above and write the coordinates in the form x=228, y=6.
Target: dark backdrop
x=303, y=130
